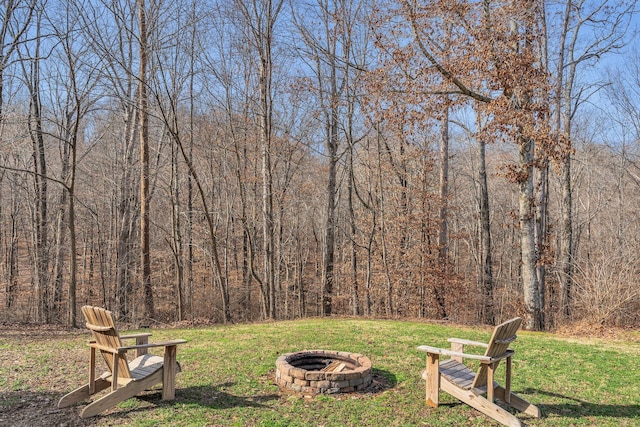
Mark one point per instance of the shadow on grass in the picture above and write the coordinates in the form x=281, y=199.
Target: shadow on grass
x=34, y=408
x=381, y=380
x=211, y=396
x=37, y=408
x=577, y=408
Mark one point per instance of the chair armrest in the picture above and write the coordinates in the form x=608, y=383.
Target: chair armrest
x=135, y=336
x=468, y=342
x=141, y=339
x=151, y=345
x=504, y=355
x=445, y=352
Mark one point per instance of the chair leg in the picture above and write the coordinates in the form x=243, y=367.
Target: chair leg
x=432, y=378
x=82, y=393
x=517, y=402
x=481, y=404
x=169, y=369
x=119, y=395
x=107, y=401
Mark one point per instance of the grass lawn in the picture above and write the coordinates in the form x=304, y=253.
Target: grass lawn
x=227, y=377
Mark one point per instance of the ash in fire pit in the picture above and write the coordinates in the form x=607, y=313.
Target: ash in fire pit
x=323, y=371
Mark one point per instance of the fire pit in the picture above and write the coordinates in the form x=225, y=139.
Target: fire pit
x=323, y=371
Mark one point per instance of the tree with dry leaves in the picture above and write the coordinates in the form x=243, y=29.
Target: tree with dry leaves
x=494, y=69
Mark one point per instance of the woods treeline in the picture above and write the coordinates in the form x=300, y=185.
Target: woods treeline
x=263, y=159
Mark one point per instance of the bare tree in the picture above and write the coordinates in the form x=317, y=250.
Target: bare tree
x=168, y=94
x=32, y=75
x=260, y=17
x=231, y=66
x=335, y=59
x=77, y=98
x=589, y=32
x=109, y=31
x=323, y=46
x=16, y=20
x=143, y=100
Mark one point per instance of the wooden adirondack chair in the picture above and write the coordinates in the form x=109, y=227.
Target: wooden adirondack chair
x=461, y=382
x=126, y=379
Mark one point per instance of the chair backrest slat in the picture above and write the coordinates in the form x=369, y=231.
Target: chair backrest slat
x=503, y=335
x=102, y=325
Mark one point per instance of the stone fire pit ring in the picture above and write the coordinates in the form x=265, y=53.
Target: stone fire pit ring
x=323, y=372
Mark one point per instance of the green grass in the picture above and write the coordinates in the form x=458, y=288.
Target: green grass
x=227, y=377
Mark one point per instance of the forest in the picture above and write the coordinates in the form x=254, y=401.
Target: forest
x=247, y=160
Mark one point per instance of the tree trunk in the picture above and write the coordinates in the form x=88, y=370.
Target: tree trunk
x=11, y=249
x=486, y=263
x=329, y=257
x=176, y=232
x=443, y=189
x=260, y=18
x=533, y=320
x=355, y=299
x=126, y=220
x=61, y=227
x=564, y=113
x=73, y=259
x=267, y=184
x=145, y=256
x=566, y=240
x=542, y=233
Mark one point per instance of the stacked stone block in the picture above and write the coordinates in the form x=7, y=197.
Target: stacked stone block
x=302, y=372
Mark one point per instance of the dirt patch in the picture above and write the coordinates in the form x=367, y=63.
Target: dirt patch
x=27, y=396
x=588, y=330
x=37, y=409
